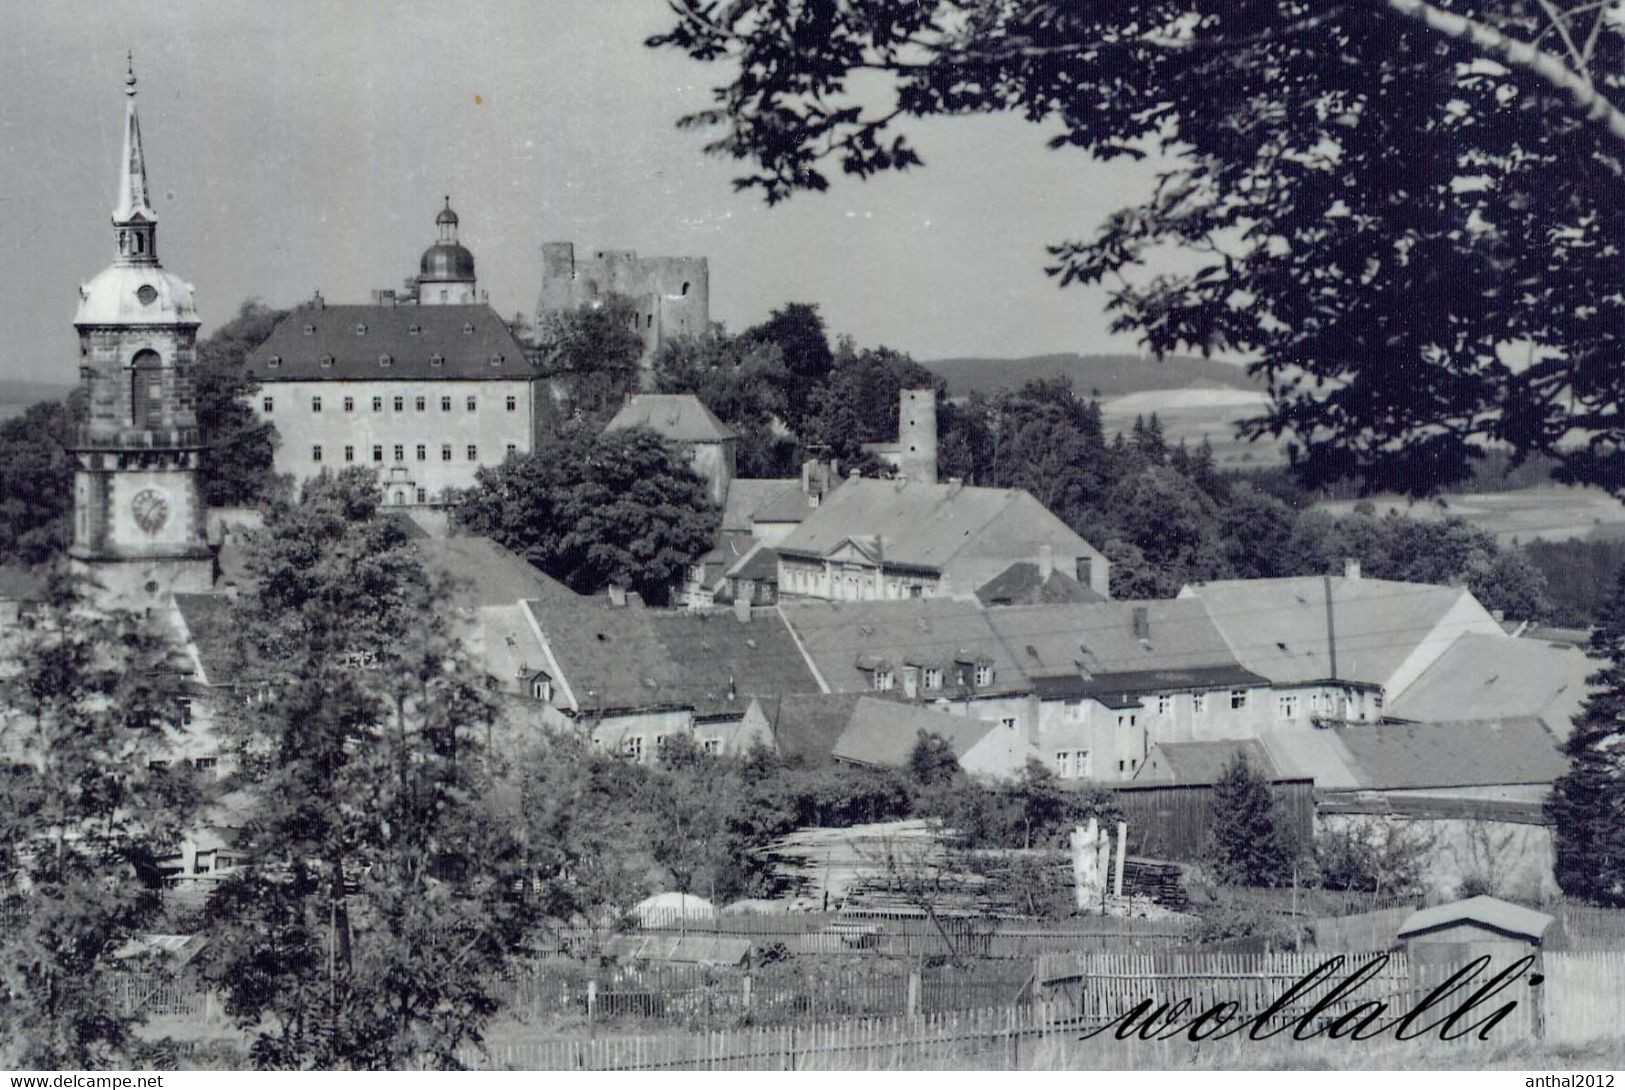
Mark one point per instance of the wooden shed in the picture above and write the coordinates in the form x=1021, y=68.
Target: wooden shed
x=1463, y=930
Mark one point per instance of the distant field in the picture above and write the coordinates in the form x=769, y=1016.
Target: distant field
x=1197, y=414
x=1100, y=376
x=1551, y=512
x=16, y=396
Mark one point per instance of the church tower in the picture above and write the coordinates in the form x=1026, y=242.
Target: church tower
x=138, y=504
x=446, y=270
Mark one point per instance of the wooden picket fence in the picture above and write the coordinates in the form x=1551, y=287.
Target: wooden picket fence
x=1580, y=1000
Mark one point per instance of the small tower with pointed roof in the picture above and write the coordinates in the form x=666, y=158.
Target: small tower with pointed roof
x=138, y=505
x=446, y=272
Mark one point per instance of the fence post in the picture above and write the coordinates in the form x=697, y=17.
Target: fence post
x=746, y=997
x=592, y=1006
x=913, y=1002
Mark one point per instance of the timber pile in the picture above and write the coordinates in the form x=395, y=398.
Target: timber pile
x=1156, y=880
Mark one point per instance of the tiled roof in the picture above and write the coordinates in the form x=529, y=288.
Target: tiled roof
x=1465, y=753
x=471, y=341
x=885, y=732
x=1492, y=912
x=747, y=495
x=807, y=725
x=1278, y=627
x=1124, y=690
x=1101, y=638
x=1313, y=755
x=1205, y=762
x=212, y=634
x=926, y=525
x=682, y=417
x=1493, y=677
x=760, y=564
x=911, y=631
x=488, y=574
x=792, y=504
x=1019, y=585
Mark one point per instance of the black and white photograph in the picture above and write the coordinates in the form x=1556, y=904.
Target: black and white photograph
x=812, y=535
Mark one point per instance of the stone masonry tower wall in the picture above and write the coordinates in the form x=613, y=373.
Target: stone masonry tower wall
x=917, y=435
x=672, y=295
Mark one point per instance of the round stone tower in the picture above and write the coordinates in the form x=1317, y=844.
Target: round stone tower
x=917, y=435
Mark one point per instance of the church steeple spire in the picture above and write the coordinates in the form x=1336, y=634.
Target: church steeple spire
x=133, y=217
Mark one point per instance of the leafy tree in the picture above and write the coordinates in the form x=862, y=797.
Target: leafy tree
x=592, y=353
x=1249, y=844
x=36, y=483
x=1391, y=301
x=89, y=806
x=1043, y=804
x=594, y=508
x=932, y=762
x=379, y=900
x=743, y=381
x=1587, y=803
x=1389, y=859
x=237, y=466
x=797, y=330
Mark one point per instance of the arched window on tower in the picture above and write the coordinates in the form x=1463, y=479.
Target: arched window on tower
x=146, y=390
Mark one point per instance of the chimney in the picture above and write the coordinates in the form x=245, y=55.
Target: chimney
x=1046, y=561
x=1351, y=568
x=742, y=601
x=316, y=300
x=807, y=476
x=384, y=297
x=1142, y=623
x=617, y=596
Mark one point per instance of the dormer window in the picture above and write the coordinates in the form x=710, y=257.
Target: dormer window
x=468, y=328
x=984, y=676
x=361, y=329
x=496, y=360
x=327, y=361
x=310, y=330
x=414, y=330
x=436, y=360
x=274, y=362
x=385, y=360
x=884, y=679
x=933, y=677
x=541, y=687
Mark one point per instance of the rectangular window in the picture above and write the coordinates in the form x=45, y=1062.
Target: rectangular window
x=377, y=452
x=423, y=495
x=933, y=677
x=1008, y=722
x=316, y=453
x=205, y=762
x=423, y=452
x=473, y=453
x=1063, y=764
x=1073, y=710
x=1199, y=703
x=984, y=676
x=1238, y=699
x=269, y=405
x=400, y=453
x=470, y=404
x=1165, y=705
x=349, y=453
x=316, y=404
x=1286, y=706
x=422, y=403
x=445, y=404
x=883, y=680
x=711, y=746
x=633, y=746
x=445, y=452
x=513, y=449
x=513, y=403
x=1376, y=700
x=184, y=706
x=377, y=404
x=1127, y=719
x=1315, y=700
x=400, y=403
x=349, y=404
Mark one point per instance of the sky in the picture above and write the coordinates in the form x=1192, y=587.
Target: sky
x=295, y=147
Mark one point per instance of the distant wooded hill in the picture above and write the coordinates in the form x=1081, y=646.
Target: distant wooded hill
x=1110, y=376
x=17, y=395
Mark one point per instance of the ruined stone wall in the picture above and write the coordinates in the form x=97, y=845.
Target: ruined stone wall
x=671, y=295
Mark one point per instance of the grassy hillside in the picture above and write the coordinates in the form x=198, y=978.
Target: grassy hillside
x=1105, y=376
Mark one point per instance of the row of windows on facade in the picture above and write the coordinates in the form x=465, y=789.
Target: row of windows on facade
x=1075, y=764
x=1287, y=705
x=812, y=582
x=385, y=361
x=415, y=330
x=398, y=451
x=632, y=746
x=398, y=402
x=885, y=679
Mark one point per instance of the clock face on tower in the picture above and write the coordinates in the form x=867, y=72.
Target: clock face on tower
x=151, y=509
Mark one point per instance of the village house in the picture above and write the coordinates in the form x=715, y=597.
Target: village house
x=1338, y=648
x=890, y=539
x=1112, y=679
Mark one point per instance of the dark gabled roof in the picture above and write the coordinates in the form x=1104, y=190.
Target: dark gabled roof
x=760, y=564
x=467, y=338
x=1462, y=753
x=680, y=417
x=807, y=725
x=1019, y=585
x=1491, y=912
x=487, y=573
x=885, y=732
x=1126, y=688
x=211, y=632
x=1205, y=762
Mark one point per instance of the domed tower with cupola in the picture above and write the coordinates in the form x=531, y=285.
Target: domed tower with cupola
x=139, y=518
x=446, y=272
